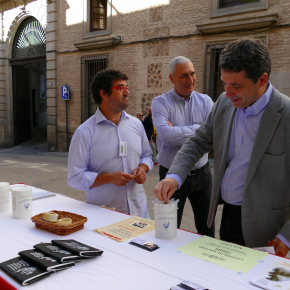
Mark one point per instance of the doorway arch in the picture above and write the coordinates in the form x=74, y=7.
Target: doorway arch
x=29, y=81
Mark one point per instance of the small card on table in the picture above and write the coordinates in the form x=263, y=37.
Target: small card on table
x=144, y=244
x=188, y=285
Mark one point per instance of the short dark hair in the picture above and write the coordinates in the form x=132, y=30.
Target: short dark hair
x=251, y=55
x=103, y=81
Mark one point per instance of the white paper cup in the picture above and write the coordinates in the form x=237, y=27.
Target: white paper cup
x=165, y=216
x=21, y=202
x=4, y=196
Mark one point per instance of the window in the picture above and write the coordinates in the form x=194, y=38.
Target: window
x=228, y=7
x=229, y=3
x=98, y=15
x=90, y=66
x=97, y=18
x=213, y=85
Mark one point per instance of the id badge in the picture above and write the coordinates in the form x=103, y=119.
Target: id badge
x=123, y=148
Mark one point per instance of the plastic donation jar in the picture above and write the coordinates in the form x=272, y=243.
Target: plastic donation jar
x=165, y=216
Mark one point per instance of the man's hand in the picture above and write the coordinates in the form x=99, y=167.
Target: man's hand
x=165, y=189
x=169, y=124
x=280, y=248
x=150, y=141
x=120, y=178
x=139, y=174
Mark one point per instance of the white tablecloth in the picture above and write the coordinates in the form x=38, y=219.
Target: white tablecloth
x=122, y=266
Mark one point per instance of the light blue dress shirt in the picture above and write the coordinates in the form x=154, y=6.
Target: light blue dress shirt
x=245, y=127
x=185, y=116
x=94, y=149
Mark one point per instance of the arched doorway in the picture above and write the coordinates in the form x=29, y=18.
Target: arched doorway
x=29, y=81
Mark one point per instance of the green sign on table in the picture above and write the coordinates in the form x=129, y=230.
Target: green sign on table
x=231, y=256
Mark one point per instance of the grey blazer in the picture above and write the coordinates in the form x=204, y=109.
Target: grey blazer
x=266, y=200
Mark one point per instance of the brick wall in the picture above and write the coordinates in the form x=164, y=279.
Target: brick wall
x=147, y=63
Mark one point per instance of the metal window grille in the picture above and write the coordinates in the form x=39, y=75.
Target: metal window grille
x=213, y=85
x=90, y=66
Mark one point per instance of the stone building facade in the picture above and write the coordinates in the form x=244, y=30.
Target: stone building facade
x=139, y=38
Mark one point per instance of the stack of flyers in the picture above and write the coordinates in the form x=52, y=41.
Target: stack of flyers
x=277, y=276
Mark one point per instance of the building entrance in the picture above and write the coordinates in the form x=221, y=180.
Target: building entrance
x=29, y=102
x=29, y=82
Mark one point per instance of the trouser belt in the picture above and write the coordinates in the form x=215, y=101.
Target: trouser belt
x=232, y=205
x=198, y=170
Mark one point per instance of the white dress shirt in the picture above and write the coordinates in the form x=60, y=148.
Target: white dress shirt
x=94, y=149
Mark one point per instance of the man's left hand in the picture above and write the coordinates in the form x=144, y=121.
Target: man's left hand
x=169, y=124
x=139, y=174
x=280, y=248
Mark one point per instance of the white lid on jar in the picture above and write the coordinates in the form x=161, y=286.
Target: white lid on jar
x=21, y=189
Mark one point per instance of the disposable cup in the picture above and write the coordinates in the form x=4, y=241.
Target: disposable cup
x=4, y=196
x=21, y=202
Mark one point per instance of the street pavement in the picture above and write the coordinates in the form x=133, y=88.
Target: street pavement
x=29, y=163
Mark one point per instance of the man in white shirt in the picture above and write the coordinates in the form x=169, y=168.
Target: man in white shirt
x=109, y=153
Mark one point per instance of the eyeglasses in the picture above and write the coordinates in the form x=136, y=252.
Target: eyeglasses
x=140, y=115
x=122, y=89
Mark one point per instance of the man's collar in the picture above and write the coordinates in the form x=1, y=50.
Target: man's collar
x=101, y=118
x=178, y=98
x=261, y=103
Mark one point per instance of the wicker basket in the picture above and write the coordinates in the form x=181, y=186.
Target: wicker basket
x=76, y=225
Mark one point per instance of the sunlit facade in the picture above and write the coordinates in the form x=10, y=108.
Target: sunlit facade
x=47, y=44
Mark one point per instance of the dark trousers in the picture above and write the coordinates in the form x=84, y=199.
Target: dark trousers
x=231, y=225
x=197, y=189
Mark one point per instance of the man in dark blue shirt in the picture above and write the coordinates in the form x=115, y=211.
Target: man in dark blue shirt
x=150, y=132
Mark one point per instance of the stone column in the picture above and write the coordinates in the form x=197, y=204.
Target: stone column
x=51, y=75
x=3, y=113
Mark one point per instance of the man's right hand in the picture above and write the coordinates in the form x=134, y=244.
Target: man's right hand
x=165, y=189
x=120, y=178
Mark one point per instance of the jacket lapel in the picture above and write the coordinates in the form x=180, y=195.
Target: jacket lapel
x=265, y=133
x=229, y=115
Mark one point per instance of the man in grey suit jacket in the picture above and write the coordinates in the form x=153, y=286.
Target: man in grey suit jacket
x=249, y=130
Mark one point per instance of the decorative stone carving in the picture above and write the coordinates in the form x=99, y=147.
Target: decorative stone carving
x=161, y=31
x=156, y=48
x=154, y=76
x=156, y=14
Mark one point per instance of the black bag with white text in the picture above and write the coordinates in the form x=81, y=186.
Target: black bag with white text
x=44, y=261
x=24, y=272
